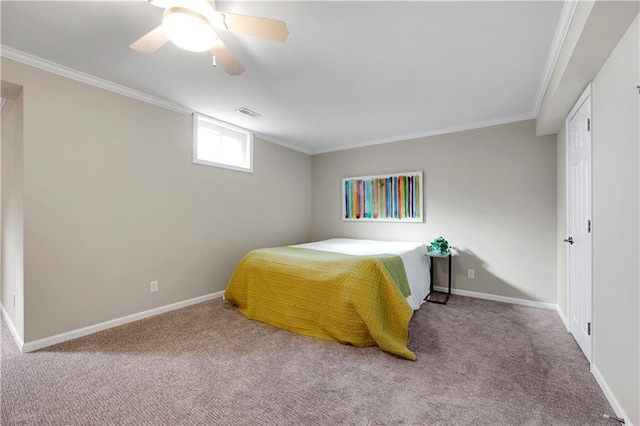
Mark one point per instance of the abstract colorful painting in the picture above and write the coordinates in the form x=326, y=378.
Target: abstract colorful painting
x=388, y=198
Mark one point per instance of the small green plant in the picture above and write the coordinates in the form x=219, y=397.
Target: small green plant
x=440, y=245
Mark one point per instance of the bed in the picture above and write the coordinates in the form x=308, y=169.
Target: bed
x=357, y=292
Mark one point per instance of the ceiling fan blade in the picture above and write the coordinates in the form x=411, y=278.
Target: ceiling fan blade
x=226, y=59
x=255, y=26
x=164, y=4
x=151, y=41
x=203, y=7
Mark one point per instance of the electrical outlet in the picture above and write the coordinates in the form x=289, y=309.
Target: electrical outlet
x=471, y=274
x=154, y=286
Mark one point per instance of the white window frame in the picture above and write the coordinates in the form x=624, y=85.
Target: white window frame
x=246, y=137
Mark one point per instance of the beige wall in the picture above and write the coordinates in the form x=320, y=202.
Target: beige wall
x=113, y=201
x=491, y=192
x=12, y=241
x=616, y=222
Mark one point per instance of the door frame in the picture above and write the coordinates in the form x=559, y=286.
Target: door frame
x=587, y=96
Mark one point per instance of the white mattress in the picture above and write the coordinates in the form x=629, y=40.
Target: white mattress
x=416, y=264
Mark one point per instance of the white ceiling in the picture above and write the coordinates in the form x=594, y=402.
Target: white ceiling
x=350, y=74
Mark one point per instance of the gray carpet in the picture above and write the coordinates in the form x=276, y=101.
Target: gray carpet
x=479, y=363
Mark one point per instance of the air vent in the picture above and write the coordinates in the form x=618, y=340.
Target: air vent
x=248, y=112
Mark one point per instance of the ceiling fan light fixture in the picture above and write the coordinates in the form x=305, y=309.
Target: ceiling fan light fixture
x=188, y=30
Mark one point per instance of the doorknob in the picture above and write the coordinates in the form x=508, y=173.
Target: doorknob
x=569, y=240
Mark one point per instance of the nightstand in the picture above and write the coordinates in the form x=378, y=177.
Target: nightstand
x=435, y=255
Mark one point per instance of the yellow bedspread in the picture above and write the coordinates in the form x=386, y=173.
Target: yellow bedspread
x=350, y=299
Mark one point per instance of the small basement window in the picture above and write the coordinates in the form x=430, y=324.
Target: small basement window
x=220, y=144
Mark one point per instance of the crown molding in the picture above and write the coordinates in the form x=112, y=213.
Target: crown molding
x=454, y=129
x=284, y=144
x=43, y=64
x=52, y=67
x=566, y=15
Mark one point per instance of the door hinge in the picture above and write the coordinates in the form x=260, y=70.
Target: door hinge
x=589, y=226
x=588, y=124
x=589, y=328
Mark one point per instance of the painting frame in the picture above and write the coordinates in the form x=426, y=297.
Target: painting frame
x=390, y=197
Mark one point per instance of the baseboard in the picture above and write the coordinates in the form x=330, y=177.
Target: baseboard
x=74, y=334
x=12, y=328
x=562, y=317
x=609, y=394
x=594, y=370
x=512, y=300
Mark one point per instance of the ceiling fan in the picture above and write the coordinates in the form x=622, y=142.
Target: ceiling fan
x=192, y=25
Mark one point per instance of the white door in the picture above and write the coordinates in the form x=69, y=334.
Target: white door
x=579, y=272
